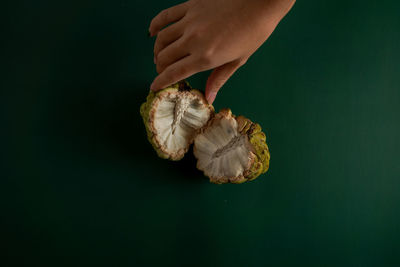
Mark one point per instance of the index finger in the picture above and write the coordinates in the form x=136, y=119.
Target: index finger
x=175, y=72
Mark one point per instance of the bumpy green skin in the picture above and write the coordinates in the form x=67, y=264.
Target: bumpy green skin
x=145, y=113
x=258, y=140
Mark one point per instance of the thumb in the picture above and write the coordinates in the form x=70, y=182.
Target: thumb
x=218, y=78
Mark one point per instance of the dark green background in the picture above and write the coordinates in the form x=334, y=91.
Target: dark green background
x=81, y=185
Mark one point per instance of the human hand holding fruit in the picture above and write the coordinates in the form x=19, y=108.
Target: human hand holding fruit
x=211, y=34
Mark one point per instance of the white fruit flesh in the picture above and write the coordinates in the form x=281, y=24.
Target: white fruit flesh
x=222, y=151
x=176, y=118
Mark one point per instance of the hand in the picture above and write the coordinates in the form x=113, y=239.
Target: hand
x=211, y=34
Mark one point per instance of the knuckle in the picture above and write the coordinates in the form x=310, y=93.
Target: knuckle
x=205, y=62
x=181, y=70
x=208, y=53
x=196, y=35
x=179, y=45
x=192, y=37
x=206, y=58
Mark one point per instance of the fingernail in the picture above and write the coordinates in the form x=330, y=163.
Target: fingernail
x=211, y=97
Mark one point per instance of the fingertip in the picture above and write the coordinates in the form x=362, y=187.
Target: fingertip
x=210, y=94
x=151, y=33
x=152, y=29
x=211, y=97
x=153, y=87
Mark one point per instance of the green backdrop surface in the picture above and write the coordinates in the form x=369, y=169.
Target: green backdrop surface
x=80, y=184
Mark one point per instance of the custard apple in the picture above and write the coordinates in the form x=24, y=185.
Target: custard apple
x=231, y=149
x=172, y=116
x=228, y=149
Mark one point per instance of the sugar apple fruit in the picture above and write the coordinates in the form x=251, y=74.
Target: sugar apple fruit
x=228, y=149
x=172, y=116
x=231, y=149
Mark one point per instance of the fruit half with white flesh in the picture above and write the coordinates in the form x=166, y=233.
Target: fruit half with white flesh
x=172, y=117
x=231, y=149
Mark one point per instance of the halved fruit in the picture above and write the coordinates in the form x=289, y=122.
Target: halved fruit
x=231, y=149
x=172, y=117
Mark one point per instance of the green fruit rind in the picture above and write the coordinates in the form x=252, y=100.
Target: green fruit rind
x=258, y=141
x=145, y=113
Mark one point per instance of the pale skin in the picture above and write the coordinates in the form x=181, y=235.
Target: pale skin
x=200, y=35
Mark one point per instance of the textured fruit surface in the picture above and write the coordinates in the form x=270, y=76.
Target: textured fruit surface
x=172, y=116
x=231, y=149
